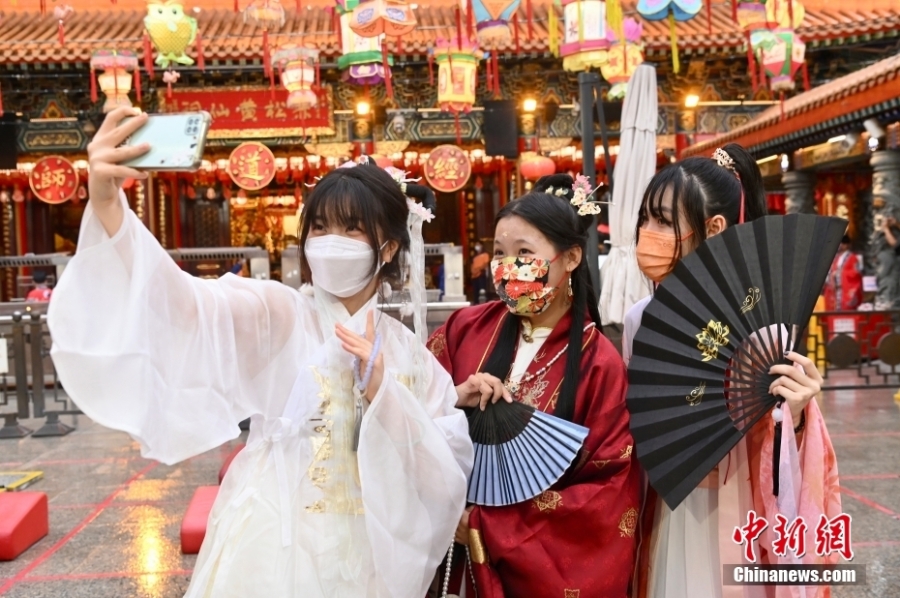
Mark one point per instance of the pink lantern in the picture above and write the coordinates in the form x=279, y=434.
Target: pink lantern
x=115, y=80
x=299, y=67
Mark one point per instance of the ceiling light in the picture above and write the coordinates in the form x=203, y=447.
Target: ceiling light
x=691, y=101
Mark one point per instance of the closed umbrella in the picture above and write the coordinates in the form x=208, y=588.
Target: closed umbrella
x=623, y=283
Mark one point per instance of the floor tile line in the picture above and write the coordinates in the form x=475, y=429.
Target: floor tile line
x=72, y=533
x=103, y=575
x=119, y=504
x=868, y=502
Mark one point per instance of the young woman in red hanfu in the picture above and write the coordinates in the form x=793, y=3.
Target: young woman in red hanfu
x=682, y=551
x=541, y=345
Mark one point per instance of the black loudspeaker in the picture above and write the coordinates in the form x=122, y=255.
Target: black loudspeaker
x=9, y=151
x=501, y=128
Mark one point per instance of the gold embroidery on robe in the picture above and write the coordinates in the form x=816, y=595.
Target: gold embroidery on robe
x=626, y=452
x=628, y=523
x=572, y=594
x=438, y=343
x=547, y=501
x=477, y=552
x=325, y=472
x=405, y=380
x=532, y=392
x=599, y=463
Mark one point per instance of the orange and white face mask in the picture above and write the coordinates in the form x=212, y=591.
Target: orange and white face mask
x=655, y=253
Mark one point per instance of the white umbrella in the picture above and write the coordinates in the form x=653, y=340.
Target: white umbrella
x=623, y=284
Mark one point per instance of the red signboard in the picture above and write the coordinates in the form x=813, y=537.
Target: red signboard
x=251, y=166
x=447, y=169
x=252, y=113
x=53, y=180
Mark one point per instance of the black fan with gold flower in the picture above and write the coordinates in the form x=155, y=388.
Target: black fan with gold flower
x=699, y=373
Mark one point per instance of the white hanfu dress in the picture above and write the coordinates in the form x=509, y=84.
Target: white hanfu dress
x=177, y=362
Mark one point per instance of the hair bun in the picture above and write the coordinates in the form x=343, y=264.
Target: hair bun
x=557, y=181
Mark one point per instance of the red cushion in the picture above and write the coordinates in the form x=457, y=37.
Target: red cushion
x=24, y=519
x=228, y=461
x=193, y=526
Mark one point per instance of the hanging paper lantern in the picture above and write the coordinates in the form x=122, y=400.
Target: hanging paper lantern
x=171, y=31
x=491, y=20
x=672, y=10
x=787, y=14
x=62, y=12
x=376, y=17
x=115, y=78
x=298, y=66
x=623, y=58
x=782, y=53
x=457, y=74
x=585, y=42
x=535, y=166
x=267, y=15
x=363, y=60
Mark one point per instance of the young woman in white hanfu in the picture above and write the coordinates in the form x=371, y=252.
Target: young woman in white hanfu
x=177, y=362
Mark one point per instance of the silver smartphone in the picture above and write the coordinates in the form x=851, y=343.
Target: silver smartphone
x=176, y=141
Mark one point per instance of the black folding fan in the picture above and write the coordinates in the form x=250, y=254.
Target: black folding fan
x=699, y=374
x=520, y=452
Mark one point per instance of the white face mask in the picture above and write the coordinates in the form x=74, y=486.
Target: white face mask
x=339, y=265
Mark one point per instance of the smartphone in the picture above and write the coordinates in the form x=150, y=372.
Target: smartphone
x=176, y=141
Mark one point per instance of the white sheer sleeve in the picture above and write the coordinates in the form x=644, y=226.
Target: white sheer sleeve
x=175, y=361
x=630, y=326
x=414, y=460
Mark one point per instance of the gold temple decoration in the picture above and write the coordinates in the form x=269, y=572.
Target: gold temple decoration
x=712, y=337
x=750, y=300
x=696, y=395
x=626, y=452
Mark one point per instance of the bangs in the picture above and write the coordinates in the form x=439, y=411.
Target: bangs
x=342, y=201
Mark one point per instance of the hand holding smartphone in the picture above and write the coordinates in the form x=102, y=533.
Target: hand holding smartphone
x=176, y=142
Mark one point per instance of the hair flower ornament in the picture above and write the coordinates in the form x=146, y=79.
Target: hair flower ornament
x=581, y=196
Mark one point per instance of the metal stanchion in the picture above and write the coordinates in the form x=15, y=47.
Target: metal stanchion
x=12, y=428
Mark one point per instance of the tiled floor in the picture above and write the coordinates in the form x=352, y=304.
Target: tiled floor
x=115, y=517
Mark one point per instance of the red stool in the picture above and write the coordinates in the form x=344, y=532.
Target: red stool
x=24, y=519
x=228, y=461
x=193, y=526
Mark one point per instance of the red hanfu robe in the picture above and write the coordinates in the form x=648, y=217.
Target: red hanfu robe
x=577, y=539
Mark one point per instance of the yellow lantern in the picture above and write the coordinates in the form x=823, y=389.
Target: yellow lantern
x=115, y=80
x=457, y=74
x=585, y=43
x=298, y=66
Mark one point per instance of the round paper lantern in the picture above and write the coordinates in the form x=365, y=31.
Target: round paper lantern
x=298, y=74
x=376, y=17
x=623, y=58
x=585, y=42
x=534, y=167
x=457, y=74
x=115, y=79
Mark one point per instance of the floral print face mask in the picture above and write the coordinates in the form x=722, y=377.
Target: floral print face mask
x=522, y=284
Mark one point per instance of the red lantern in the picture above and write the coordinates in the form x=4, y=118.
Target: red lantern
x=534, y=167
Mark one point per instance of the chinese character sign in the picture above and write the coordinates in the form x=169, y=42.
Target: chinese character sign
x=53, y=180
x=253, y=113
x=447, y=169
x=251, y=166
